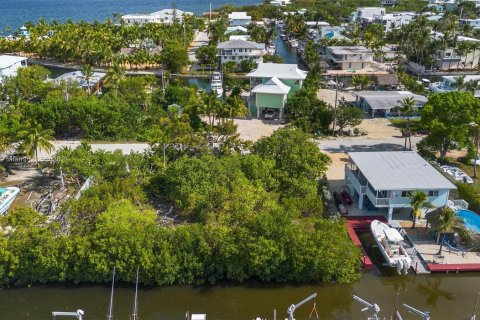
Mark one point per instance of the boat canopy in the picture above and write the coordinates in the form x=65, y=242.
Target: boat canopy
x=393, y=235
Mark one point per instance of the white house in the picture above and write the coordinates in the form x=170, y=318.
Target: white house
x=382, y=103
x=448, y=84
x=239, y=50
x=450, y=58
x=349, y=58
x=365, y=15
x=394, y=20
x=166, y=16
x=474, y=23
x=387, y=179
x=78, y=78
x=280, y=3
x=239, y=19
x=9, y=66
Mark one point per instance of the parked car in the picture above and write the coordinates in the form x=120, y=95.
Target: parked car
x=269, y=114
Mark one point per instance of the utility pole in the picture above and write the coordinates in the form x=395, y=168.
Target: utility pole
x=68, y=110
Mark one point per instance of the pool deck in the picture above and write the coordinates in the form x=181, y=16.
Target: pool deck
x=448, y=260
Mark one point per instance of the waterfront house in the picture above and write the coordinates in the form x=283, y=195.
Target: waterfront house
x=239, y=19
x=348, y=57
x=9, y=66
x=272, y=84
x=394, y=20
x=387, y=179
x=166, y=16
x=447, y=84
x=239, y=50
x=365, y=15
x=78, y=78
x=384, y=103
x=450, y=58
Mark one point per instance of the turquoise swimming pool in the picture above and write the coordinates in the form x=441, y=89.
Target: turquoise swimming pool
x=471, y=220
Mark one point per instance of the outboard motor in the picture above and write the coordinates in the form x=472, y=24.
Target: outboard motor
x=406, y=266
x=399, y=266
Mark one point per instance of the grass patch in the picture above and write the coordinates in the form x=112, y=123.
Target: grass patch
x=415, y=124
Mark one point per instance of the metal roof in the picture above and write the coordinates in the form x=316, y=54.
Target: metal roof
x=399, y=170
x=240, y=44
x=279, y=70
x=273, y=86
x=78, y=77
x=348, y=50
x=380, y=100
x=8, y=61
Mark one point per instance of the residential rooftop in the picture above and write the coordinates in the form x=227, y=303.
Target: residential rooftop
x=8, y=61
x=389, y=99
x=240, y=44
x=399, y=170
x=348, y=49
x=279, y=70
x=272, y=86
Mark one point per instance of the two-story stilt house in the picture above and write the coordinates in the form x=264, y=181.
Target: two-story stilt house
x=387, y=179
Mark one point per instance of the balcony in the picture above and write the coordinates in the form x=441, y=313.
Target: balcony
x=353, y=179
x=377, y=202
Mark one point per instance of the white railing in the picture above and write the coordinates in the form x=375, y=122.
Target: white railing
x=377, y=201
x=461, y=204
x=353, y=179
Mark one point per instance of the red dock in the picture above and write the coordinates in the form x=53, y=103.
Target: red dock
x=361, y=223
x=460, y=267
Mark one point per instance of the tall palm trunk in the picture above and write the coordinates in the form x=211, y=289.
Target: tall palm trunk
x=409, y=135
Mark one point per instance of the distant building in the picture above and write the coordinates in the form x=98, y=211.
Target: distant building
x=365, y=15
x=166, y=16
x=474, y=23
x=78, y=78
x=394, y=20
x=239, y=50
x=448, y=84
x=388, y=179
x=9, y=66
x=349, y=58
x=272, y=84
x=23, y=32
x=239, y=19
x=387, y=3
x=280, y=3
x=383, y=103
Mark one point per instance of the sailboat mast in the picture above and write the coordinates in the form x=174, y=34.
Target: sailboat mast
x=110, y=306
x=135, y=303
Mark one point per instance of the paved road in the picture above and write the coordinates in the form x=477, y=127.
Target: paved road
x=126, y=148
x=358, y=144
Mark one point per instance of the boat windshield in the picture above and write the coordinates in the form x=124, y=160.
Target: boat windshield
x=393, y=235
x=3, y=191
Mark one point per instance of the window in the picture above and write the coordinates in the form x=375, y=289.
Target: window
x=433, y=193
x=406, y=194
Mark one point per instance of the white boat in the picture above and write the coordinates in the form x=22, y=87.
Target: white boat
x=272, y=49
x=389, y=241
x=293, y=43
x=216, y=84
x=7, y=195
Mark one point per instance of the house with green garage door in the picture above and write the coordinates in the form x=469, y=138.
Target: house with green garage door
x=272, y=84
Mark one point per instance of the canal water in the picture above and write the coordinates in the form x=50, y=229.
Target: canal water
x=445, y=296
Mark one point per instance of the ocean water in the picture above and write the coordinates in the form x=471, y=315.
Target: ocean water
x=13, y=13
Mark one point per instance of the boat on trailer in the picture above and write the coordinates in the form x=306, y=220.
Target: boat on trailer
x=389, y=241
x=7, y=195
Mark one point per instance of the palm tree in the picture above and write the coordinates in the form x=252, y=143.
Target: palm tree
x=88, y=73
x=472, y=86
x=459, y=82
x=407, y=110
x=447, y=221
x=114, y=76
x=418, y=200
x=34, y=138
